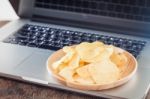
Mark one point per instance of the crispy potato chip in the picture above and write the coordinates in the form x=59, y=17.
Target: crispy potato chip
x=98, y=44
x=61, y=66
x=104, y=72
x=67, y=49
x=81, y=80
x=87, y=51
x=83, y=72
x=69, y=54
x=56, y=64
x=74, y=62
x=81, y=63
x=67, y=74
x=105, y=54
x=120, y=60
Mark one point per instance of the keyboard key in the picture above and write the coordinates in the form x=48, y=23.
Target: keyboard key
x=49, y=46
x=23, y=43
x=32, y=44
x=78, y=33
x=45, y=46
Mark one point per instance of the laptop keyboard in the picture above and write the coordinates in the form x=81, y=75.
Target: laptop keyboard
x=54, y=39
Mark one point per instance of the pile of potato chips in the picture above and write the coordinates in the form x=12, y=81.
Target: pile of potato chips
x=91, y=63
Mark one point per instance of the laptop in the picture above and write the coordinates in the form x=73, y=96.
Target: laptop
x=46, y=26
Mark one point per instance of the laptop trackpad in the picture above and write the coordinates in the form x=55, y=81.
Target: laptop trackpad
x=12, y=55
x=35, y=67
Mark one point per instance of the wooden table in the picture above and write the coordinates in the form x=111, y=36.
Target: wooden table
x=11, y=89
x=2, y=23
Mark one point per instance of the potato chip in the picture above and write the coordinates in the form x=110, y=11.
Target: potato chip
x=120, y=60
x=87, y=51
x=56, y=64
x=74, y=62
x=67, y=49
x=105, y=54
x=67, y=74
x=69, y=54
x=98, y=44
x=83, y=72
x=81, y=80
x=104, y=72
x=82, y=63
x=61, y=66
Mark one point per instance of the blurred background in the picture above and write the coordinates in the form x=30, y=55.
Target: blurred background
x=15, y=4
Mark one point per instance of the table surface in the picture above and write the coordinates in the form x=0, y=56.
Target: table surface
x=12, y=89
x=2, y=23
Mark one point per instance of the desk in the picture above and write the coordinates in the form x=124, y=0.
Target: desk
x=11, y=89
x=2, y=23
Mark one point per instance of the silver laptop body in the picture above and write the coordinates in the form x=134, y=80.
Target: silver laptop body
x=29, y=63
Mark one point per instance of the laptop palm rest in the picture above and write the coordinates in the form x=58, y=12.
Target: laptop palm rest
x=11, y=56
x=34, y=68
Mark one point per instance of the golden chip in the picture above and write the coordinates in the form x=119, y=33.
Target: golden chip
x=67, y=74
x=56, y=64
x=105, y=54
x=69, y=54
x=82, y=63
x=81, y=80
x=98, y=44
x=67, y=49
x=74, y=62
x=104, y=72
x=83, y=72
x=120, y=60
x=87, y=51
x=61, y=66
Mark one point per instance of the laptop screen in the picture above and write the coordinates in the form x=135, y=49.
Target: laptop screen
x=124, y=16
x=138, y=10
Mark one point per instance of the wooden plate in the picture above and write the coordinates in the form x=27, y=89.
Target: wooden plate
x=126, y=75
